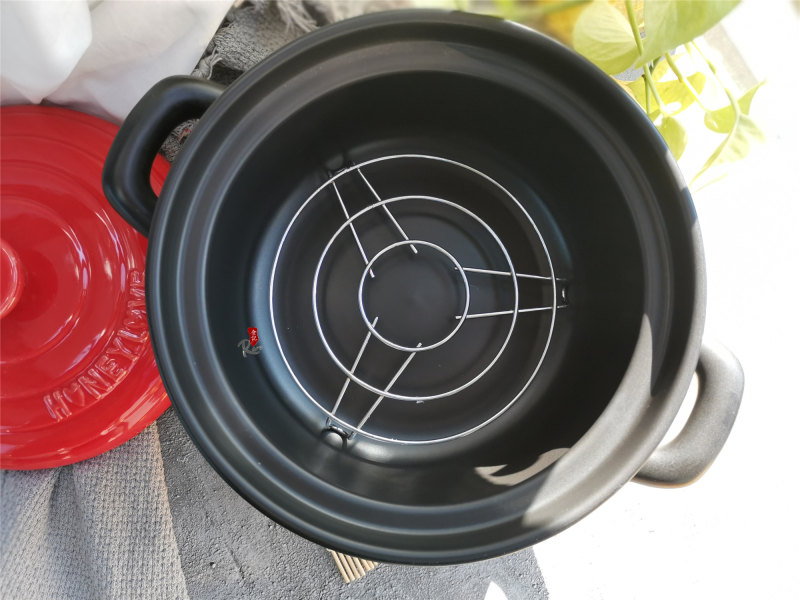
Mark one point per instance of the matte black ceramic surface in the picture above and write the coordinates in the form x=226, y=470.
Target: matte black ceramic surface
x=614, y=223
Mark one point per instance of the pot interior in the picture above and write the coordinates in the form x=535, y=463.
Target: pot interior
x=484, y=176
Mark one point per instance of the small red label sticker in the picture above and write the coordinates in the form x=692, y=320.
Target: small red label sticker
x=253, y=332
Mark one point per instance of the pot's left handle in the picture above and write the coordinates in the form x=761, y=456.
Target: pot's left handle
x=126, y=174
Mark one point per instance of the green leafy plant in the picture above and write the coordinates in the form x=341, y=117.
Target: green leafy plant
x=653, y=42
x=659, y=37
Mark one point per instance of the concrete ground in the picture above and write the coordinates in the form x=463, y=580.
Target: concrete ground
x=734, y=534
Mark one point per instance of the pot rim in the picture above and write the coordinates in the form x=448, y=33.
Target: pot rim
x=605, y=458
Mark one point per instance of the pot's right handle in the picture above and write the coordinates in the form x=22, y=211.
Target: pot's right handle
x=686, y=458
x=126, y=173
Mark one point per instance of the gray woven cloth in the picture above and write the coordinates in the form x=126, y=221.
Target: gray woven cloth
x=100, y=529
x=151, y=519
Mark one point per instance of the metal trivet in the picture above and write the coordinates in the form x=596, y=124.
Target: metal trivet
x=329, y=192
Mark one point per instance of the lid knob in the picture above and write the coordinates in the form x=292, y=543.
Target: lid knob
x=12, y=278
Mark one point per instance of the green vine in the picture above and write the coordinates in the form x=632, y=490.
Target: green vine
x=647, y=72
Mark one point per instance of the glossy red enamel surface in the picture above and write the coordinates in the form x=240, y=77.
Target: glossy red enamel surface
x=11, y=279
x=77, y=370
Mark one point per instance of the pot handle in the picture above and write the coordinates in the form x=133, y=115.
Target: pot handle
x=686, y=458
x=126, y=173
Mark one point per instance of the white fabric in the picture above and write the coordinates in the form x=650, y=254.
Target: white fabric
x=100, y=57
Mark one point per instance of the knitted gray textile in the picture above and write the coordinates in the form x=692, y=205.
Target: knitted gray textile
x=99, y=529
x=151, y=519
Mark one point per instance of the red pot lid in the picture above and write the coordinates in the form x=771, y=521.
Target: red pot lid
x=77, y=372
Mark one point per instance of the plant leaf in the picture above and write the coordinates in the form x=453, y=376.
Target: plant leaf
x=659, y=70
x=557, y=18
x=637, y=89
x=670, y=23
x=674, y=91
x=674, y=134
x=671, y=92
x=723, y=119
x=506, y=8
x=735, y=146
x=603, y=35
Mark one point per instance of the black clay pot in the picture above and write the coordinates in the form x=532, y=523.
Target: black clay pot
x=475, y=273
